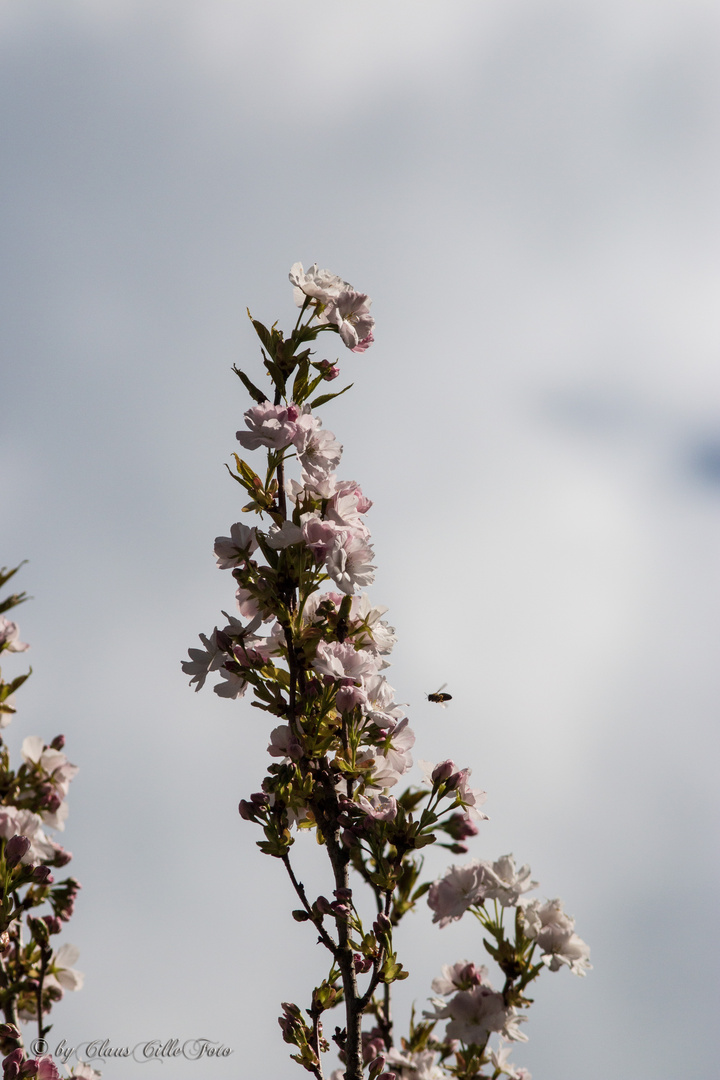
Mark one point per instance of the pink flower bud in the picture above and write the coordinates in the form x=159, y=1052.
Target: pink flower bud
x=58, y=742
x=442, y=772
x=16, y=849
x=42, y=875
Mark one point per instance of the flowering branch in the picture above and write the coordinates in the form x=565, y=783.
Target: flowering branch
x=342, y=743
x=33, y=975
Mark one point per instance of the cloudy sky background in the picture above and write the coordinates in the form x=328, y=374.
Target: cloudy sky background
x=528, y=190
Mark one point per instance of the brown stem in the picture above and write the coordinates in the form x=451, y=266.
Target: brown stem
x=353, y=1012
x=300, y=890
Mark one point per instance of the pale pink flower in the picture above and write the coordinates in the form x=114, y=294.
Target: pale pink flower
x=460, y=976
x=471, y=798
x=282, y=536
x=319, y=456
x=475, y=1013
x=343, y=661
x=349, y=696
x=47, y=1069
x=203, y=661
x=350, y=312
x=510, y=883
x=347, y=505
x=14, y=821
x=270, y=425
x=9, y=635
x=234, y=550
x=460, y=887
x=233, y=687
x=415, y=1064
x=499, y=1060
x=320, y=536
x=83, y=1071
x=553, y=930
x=317, y=285
x=380, y=705
x=348, y=564
x=62, y=973
x=379, y=807
x=283, y=743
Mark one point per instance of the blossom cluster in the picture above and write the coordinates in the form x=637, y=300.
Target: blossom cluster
x=312, y=647
x=34, y=974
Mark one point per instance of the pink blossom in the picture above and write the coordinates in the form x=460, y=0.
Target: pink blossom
x=9, y=635
x=460, y=976
x=348, y=564
x=451, y=895
x=203, y=661
x=554, y=931
x=282, y=536
x=233, y=687
x=475, y=1013
x=363, y=345
x=233, y=550
x=380, y=705
x=346, y=506
x=320, y=455
x=320, y=536
x=317, y=285
x=270, y=425
x=343, y=661
x=348, y=697
x=283, y=743
x=379, y=807
x=471, y=798
x=350, y=312
x=47, y=1069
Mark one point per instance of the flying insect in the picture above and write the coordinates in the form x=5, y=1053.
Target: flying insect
x=439, y=698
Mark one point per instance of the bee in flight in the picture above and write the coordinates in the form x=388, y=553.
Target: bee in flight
x=439, y=698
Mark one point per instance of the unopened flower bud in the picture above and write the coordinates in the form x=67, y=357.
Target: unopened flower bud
x=29, y=1068
x=16, y=849
x=323, y=905
x=382, y=924
x=460, y=826
x=62, y=857
x=53, y=923
x=343, y=894
x=9, y=1031
x=443, y=771
x=58, y=742
x=246, y=810
x=42, y=875
x=329, y=371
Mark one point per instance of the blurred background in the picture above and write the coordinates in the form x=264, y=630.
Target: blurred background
x=529, y=191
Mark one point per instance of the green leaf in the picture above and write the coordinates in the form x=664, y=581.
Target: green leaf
x=255, y=393
x=300, y=383
x=264, y=334
x=324, y=398
x=6, y=574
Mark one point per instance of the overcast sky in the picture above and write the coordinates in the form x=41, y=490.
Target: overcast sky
x=529, y=192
